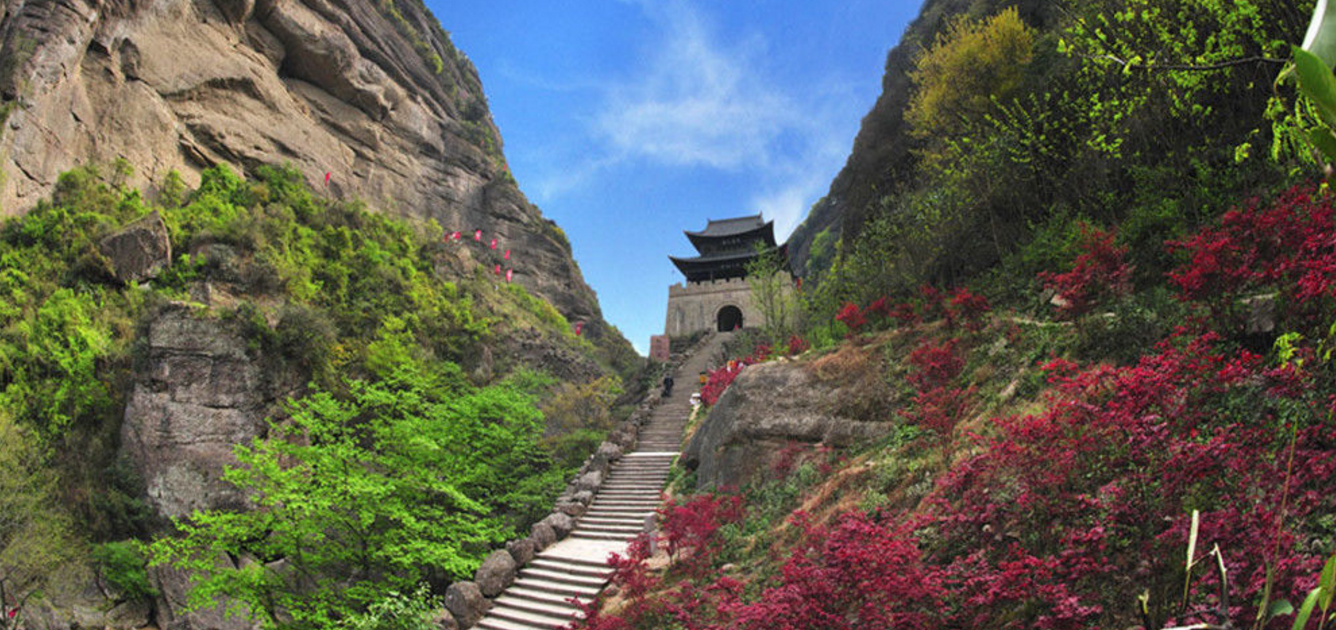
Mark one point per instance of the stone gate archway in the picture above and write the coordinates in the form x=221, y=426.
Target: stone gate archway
x=729, y=318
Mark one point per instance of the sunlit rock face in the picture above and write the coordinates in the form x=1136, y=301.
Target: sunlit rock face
x=377, y=97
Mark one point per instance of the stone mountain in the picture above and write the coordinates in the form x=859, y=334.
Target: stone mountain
x=371, y=92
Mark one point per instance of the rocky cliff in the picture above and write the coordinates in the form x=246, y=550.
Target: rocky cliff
x=370, y=92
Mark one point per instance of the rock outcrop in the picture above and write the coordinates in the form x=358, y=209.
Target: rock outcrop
x=768, y=407
x=371, y=92
x=197, y=394
x=138, y=251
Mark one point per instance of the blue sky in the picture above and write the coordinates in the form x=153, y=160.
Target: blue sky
x=630, y=121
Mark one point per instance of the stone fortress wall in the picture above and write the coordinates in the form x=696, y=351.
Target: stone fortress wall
x=695, y=306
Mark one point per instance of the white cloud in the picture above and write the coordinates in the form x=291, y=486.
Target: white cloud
x=698, y=101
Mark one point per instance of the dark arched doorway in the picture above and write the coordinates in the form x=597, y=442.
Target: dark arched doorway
x=730, y=318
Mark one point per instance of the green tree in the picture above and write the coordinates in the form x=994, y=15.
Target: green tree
x=771, y=285
x=411, y=478
x=971, y=65
x=35, y=536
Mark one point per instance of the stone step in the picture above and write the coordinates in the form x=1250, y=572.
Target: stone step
x=648, y=507
x=495, y=623
x=563, y=610
x=540, y=596
x=625, y=503
x=638, y=514
x=629, y=521
x=600, y=563
x=552, y=564
x=651, y=498
x=588, y=535
x=631, y=531
x=563, y=577
x=551, y=587
x=645, y=492
x=533, y=620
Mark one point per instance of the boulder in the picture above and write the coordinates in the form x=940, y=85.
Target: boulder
x=570, y=508
x=583, y=497
x=589, y=481
x=444, y=620
x=1261, y=314
x=561, y=524
x=542, y=535
x=522, y=550
x=466, y=603
x=138, y=251
x=768, y=407
x=495, y=573
x=606, y=454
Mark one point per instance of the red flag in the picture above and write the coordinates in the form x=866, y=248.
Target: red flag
x=493, y=243
x=477, y=235
x=510, y=273
x=327, y=174
x=498, y=270
x=507, y=256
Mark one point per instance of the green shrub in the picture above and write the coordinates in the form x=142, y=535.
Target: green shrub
x=398, y=612
x=123, y=566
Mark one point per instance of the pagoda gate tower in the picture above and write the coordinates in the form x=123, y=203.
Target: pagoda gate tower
x=716, y=295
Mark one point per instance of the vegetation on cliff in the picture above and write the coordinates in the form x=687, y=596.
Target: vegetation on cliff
x=403, y=466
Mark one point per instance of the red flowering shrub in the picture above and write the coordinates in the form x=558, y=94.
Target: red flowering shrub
x=935, y=365
x=718, y=380
x=858, y=575
x=851, y=317
x=1289, y=246
x=1100, y=274
x=1071, y=513
x=630, y=574
x=937, y=404
x=878, y=310
x=761, y=353
x=939, y=408
x=787, y=459
x=934, y=303
x=690, y=529
x=798, y=345
x=904, y=313
x=971, y=307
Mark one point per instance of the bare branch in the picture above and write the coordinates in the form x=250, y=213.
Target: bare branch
x=1221, y=65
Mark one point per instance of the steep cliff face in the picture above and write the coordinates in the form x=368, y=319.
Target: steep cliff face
x=371, y=92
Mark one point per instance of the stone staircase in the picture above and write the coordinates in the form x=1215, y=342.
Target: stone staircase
x=576, y=567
